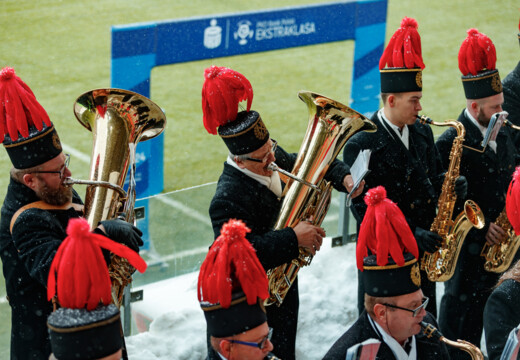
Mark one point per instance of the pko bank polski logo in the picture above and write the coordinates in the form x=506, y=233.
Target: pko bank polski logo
x=245, y=31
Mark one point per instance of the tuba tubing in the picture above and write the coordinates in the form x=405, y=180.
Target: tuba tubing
x=118, y=120
x=330, y=125
x=431, y=332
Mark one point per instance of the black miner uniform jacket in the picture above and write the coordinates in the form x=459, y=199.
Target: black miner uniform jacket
x=239, y=196
x=412, y=178
x=488, y=175
x=26, y=259
x=511, y=88
x=361, y=330
x=501, y=315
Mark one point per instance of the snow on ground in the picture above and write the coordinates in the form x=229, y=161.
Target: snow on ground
x=328, y=293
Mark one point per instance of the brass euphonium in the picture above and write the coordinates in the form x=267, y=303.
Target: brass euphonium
x=440, y=265
x=500, y=256
x=118, y=120
x=431, y=332
x=331, y=124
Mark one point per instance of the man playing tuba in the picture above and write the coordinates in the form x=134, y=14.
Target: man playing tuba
x=35, y=214
x=248, y=190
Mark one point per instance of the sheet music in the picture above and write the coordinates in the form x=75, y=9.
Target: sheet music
x=359, y=171
x=367, y=350
x=510, y=351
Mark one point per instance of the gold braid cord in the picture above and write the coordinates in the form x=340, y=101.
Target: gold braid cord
x=120, y=271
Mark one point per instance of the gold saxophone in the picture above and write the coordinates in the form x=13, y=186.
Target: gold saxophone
x=118, y=120
x=431, y=332
x=440, y=265
x=331, y=124
x=500, y=256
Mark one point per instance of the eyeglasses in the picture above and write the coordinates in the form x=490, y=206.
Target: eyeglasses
x=61, y=171
x=415, y=311
x=264, y=159
x=259, y=345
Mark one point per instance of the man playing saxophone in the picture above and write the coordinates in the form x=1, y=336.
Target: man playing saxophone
x=248, y=190
x=488, y=172
x=404, y=159
x=35, y=214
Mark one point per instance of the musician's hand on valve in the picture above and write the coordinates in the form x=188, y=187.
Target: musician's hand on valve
x=495, y=234
x=427, y=241
x=348, y=182
x=309, y=236
x=461, y=187
x=122, y=232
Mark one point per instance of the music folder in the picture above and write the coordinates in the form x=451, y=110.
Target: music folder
x=359, y=170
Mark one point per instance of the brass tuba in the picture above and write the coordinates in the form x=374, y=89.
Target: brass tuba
x=440, y=265
x=431, y=332
x=331, y=124
x=498, y=257
x=118, y=120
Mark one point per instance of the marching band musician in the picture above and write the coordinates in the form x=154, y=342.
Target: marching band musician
x=232, y=286
x=394, y=302
x=403, y=155
x=35, y=213
x=249, y=191
x=488, y=173
x=502, y=313
x=511, y=88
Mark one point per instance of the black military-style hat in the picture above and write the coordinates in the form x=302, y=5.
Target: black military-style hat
x=232, y=283
x=401, y=64
x=86, y=325
x=387, y=251
x=84, y=334
x=26, y=131
x=243, y=132
x=477, y=60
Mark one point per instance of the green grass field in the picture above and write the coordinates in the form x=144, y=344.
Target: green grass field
x=62, y=49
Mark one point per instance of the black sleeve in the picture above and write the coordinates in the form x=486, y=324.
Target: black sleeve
x=37, y=235
x=273, y=248
x=500, y=317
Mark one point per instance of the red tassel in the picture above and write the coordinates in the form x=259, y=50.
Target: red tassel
x=513, y=201
x=384, y=231
x=477, y=53
x=19, y=107
x=79, y=275
x=232, y=263
x=404, y=48
x=222, y=91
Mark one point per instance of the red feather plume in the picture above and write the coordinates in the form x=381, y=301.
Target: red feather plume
x=384, y=231
x=232, y=263
x=404, y=48
x=79, y=274
x=19, y=108
x=477, y=53
x=222, y=91
x=513, y=201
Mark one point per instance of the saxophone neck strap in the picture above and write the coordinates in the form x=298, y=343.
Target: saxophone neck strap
x=44, y=206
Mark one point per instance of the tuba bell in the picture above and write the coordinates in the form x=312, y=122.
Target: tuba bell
x=118, y=120
x=330, y=125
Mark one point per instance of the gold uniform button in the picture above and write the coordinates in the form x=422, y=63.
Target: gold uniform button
x=411, y=206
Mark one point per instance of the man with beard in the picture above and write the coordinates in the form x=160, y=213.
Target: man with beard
x=489, y=173
x=35, y=214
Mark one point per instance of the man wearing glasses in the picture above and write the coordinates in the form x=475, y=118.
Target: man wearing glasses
x=249, y=190
x=233, y=303
x=35, y=213
x=395, y=305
